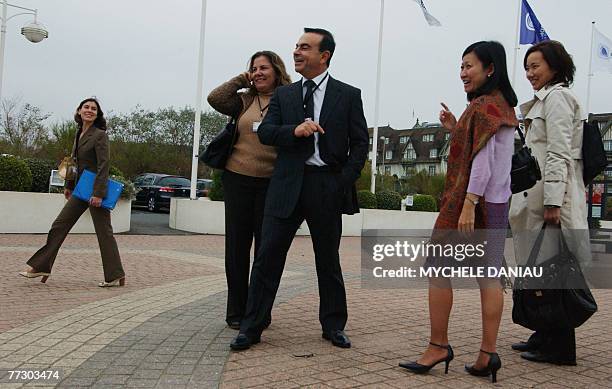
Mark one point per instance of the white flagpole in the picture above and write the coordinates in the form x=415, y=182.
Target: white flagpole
x=517, y=48
x=590, y=75
x=377, y=98
x=198, y=107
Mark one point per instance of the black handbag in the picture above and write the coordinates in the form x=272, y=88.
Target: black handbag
x=559, y=299
x=592, y=146
x=219, y=149
x=525, y=168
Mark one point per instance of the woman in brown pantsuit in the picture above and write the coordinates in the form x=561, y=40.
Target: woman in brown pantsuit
x=91, y=152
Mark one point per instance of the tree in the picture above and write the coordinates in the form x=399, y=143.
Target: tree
x=364, y=180
x=159, y=141
x=423, y=183
x=61, y=141
x=21, y=127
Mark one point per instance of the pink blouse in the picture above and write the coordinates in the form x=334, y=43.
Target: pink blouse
x=490, y=174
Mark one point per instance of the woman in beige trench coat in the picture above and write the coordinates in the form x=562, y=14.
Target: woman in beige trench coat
x=553, y=122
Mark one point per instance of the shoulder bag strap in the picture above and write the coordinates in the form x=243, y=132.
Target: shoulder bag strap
x=536, y=248
x=518, y=129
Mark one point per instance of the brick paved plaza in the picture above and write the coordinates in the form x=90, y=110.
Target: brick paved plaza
x=166, y=328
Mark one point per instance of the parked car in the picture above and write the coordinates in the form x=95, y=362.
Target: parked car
x=203, y=186
x=155, y=190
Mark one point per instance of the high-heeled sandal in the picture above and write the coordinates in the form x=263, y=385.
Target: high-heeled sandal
x=117, y=282
x=35, y=274
x=491, y=369
x=420, y=369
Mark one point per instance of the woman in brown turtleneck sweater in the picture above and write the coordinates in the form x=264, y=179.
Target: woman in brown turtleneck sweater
x=248, y=170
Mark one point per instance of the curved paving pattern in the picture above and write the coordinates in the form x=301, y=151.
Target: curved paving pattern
x=182, y=346
x=166, y=329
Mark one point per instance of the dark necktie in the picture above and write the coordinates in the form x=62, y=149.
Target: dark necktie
x=309, y=99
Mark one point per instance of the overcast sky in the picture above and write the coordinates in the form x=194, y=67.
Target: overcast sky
x=129, y=52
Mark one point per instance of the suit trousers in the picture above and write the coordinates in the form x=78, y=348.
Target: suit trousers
x=558, y=343
x=244, y=198
x=319, y=204
x=44, y=258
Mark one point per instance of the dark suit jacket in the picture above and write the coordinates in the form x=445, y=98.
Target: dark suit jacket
x=92, y=154
x=343, y=147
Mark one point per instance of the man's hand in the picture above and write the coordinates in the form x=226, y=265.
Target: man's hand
x=308, y=128
x=67, y=194
x=552, y=215
x=95, y=202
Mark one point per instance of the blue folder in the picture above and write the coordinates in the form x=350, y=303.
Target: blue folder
x=84, y=190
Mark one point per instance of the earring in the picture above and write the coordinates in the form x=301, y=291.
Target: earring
x=488, y=75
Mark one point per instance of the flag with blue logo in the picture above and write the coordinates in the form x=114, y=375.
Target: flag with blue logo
x=602, y=52
x=531, y=30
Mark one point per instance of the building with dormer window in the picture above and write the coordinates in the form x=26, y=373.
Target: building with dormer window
x=407, y=151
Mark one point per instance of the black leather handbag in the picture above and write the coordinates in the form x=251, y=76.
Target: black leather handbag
x=525, y=168
x=559, y=299
x=219, y=149
x=592, y=146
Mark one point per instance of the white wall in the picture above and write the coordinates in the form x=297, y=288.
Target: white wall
x=208, y=217
x=33, y=213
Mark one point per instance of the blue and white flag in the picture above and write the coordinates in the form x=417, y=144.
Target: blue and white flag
x=430, y=19
x=602, y=52
x=531, y=30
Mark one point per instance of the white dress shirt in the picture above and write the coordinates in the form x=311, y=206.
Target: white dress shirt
x=318, y=96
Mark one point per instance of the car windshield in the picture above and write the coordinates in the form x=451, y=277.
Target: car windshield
x=174, y=181
x=204, y=184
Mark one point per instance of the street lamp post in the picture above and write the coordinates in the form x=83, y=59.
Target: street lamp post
x=34, y=32
x=198, y=107
x=382, y=178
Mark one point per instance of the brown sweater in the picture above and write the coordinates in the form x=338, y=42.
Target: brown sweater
x=249, y=157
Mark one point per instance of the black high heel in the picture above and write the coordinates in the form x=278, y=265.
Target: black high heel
x=420, y=369
x=491, y=369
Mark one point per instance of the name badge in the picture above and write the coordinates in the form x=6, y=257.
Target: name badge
x=256, y=126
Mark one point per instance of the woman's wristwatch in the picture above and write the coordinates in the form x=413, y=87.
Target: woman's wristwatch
x=474, y=202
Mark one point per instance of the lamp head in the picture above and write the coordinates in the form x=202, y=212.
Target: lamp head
x=34, y=32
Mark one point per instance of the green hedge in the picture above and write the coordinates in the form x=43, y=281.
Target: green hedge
x=14, y=174
x=114, y=171
x=366, y=199
x=41, y=171
x=423, y=203
x=386, y=199
x=129, y=190
x=216, y=191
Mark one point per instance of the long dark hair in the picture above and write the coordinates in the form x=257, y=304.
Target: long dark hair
x=492, y=52
x=557, y=58
x=99, y=122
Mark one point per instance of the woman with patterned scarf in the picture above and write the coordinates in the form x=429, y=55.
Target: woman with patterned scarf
x=476, y=195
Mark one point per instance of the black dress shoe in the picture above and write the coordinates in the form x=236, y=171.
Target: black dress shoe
x=234, y=325
x=538, y=356
x=338, y=338
x=243, y=342
x=524, y=346
x=490, y=370
x=418, y=368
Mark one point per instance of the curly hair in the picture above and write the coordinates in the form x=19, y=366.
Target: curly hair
x=99, y=122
